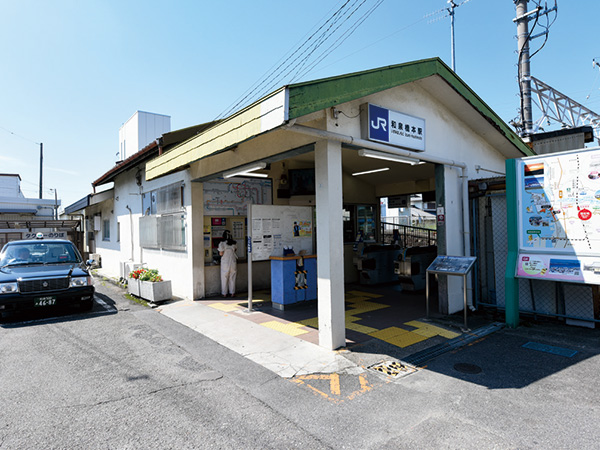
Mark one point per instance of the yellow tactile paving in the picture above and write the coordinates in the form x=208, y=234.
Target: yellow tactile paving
x=398, y=336
x=293, y=329
x=350, y=318
x=366, y=307
x=360, y=328
x=364, y=294
x=351, y=299
x=312, y=323
x=428, y=330
x=224, y=307
x=406, y=339
x=387, y=333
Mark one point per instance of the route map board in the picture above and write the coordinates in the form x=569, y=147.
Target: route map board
x=275, y=227
x=231, y=197
x=559, y=216
x=452, y=265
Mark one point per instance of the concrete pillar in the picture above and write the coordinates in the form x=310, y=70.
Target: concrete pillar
x=196, y=246
x=448, y=187
x=330, y=244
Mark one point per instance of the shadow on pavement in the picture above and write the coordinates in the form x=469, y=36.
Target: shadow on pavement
x=516, y=358
x=58, y=314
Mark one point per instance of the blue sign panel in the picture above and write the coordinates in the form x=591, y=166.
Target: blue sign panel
x=379, y=123
x=394, y=128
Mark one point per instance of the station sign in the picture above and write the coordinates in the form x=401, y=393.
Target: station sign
x=392, y=127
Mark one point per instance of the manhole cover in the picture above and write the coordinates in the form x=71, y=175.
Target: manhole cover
x=467, y=368
x=393, y=368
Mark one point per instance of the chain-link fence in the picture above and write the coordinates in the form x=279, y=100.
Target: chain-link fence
x=573, y=302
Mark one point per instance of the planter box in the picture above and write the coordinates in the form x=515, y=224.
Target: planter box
x=133, y=286
x=155, y=292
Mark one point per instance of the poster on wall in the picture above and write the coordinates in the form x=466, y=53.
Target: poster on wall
x=231, y=197
x=558, y=198
x=277, y=227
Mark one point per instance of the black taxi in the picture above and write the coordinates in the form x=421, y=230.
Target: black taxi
x=42, y=273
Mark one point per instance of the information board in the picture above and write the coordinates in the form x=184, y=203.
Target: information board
x=452, y=265
x=231, y=197
x=277, y=227
x=558, y=198
x=559, y=202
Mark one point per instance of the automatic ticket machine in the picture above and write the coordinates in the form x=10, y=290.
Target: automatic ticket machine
x=411, y=266
x=375, y=263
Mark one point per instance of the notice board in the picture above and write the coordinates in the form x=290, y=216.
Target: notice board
x=558, y=198
x=276, y=227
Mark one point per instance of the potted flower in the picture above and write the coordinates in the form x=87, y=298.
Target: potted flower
x=152, y=286
x=133, y=282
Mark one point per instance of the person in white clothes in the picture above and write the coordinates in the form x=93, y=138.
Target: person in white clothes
x=227, y=249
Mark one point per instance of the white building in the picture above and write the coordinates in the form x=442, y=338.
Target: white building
x=139, y=130
x=328, y=131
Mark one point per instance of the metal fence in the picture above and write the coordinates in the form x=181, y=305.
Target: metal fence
x=407, y=236
x=572, y=302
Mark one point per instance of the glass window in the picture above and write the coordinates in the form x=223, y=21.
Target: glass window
x=349, y=218
x=106, y=230
x=366, y=222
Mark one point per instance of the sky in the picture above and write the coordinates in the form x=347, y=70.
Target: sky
x=74, y=71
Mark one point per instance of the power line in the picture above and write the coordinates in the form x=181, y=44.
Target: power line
x=19, y=136
x=299, y=60
x=269, y=74
x=344, y=37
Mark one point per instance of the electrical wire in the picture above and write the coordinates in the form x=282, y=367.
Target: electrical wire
x=344, y=37
x=19, y=136
x=326, y=34
x=272, y=72
x=298, y=62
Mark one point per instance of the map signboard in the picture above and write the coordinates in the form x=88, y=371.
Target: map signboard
x=559, y=216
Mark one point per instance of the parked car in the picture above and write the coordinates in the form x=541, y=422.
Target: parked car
x=43, y=273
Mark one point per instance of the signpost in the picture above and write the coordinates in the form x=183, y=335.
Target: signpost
x=451, y=265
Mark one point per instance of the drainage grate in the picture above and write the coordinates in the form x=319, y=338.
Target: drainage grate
x=393, y=368
x=420, y=358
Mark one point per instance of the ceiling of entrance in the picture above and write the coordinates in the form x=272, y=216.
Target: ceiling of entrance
x=398, y=173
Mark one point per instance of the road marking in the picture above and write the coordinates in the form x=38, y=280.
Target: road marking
x=333, y=391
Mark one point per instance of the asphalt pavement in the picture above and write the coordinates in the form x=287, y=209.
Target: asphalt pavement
x=126, y=376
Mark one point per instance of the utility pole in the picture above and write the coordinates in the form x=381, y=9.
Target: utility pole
x=55, y=204
x=523, y=38
x=451, y=14
x=522, y=20
x=41, y=165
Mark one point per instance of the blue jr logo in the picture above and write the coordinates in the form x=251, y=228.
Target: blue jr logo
x=378, y=123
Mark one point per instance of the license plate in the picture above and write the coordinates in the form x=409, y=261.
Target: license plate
x=44, y=301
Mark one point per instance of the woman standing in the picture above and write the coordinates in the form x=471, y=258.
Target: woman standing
x=227, y=249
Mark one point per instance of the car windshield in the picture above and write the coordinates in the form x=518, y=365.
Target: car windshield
x=38, y=253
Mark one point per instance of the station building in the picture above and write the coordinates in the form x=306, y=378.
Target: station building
x=416, y=127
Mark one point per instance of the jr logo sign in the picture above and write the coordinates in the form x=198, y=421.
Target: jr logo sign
x=378, y=123
x=393, y=128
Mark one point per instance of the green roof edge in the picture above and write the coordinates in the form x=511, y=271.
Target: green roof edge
x=311, y=96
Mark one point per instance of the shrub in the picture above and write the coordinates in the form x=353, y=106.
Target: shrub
x=146, y=275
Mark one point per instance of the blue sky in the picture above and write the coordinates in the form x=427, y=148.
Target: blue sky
x=74, y=71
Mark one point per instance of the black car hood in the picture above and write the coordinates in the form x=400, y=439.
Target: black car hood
x=12, y=273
